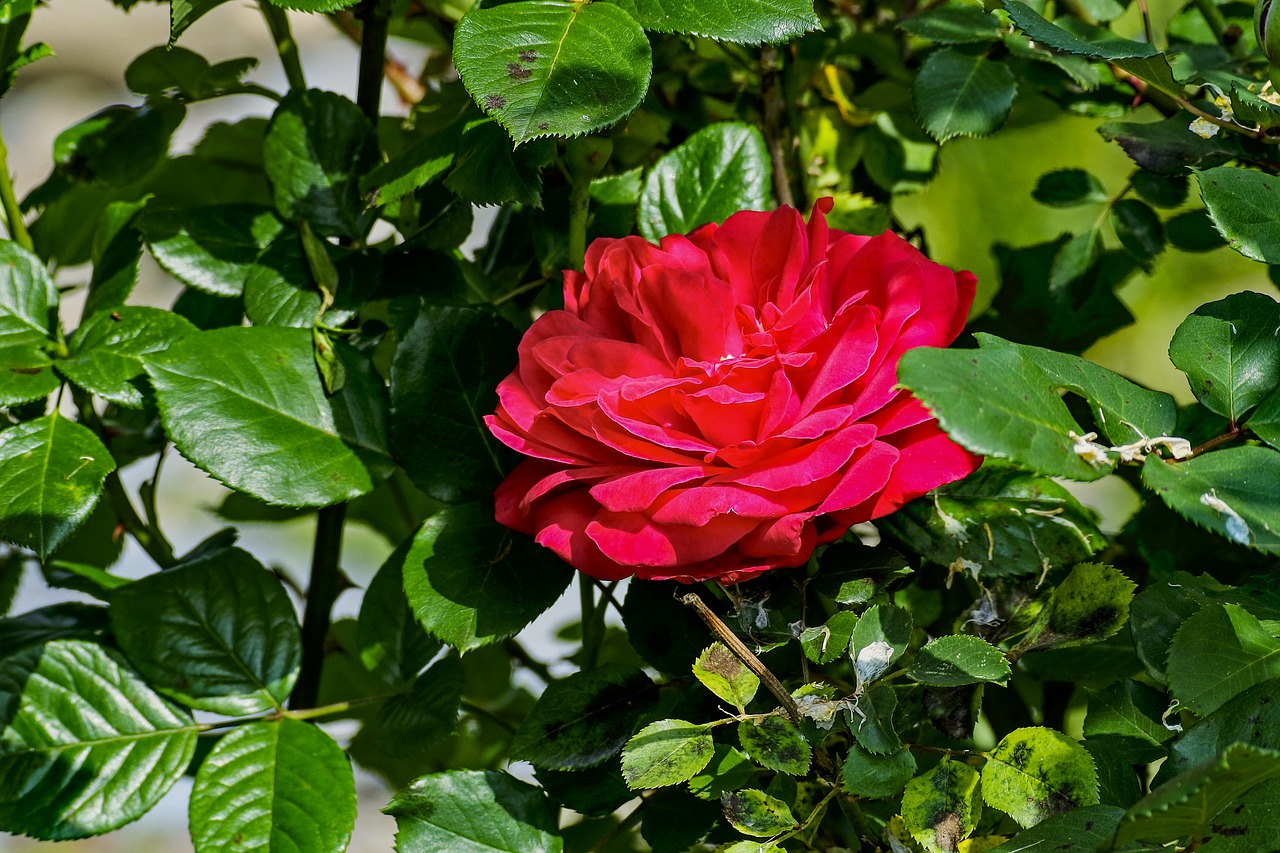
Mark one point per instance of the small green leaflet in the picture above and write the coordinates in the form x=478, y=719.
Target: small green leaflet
x=777, y=744
x=941, y=808
x=1241, y=203
x=757, y=814
x=494, y=811
x=962, y=94
x=1217, y=653
x=1233, y=491
x=1227, y=349
x=723, y=674
x=957, y=659
x=864, y=774
x=741, y=21
x=1089, y=605
x=667, y=752
x=1035, y=773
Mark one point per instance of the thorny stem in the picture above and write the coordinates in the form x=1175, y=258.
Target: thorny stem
x=744, y=654
x=774, y=107
x=12, y=212
x=322, y=591
x=278, y=24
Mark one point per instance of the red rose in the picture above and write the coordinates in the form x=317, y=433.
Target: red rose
x=722, y=403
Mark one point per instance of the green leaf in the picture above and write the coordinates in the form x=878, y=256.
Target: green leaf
x=66, y=620
x=392, y=644
x=246, y=405
x=442, y=386
x=184, y=13
x=997, y=402
x=1160, y=190
x=595, y=792
x=218, y=634
x=1035, y=773
x=1235, y=492
x=1068, y=188
x=1074, y=260
x=28, y=311
x=552, y=68
x=1167, y=147
x=318, y=147
x=107, y=350
x=471, y=582
x=667, y=752
x=1193, y=231
x=674, y=820
x=85, y=745
x=486, y=171
x=1091, y=604
x=829, y=641
x=871, y=720
x=940, y=808
x=51, y=474
x=118, y=145
x=1241, y=203
x=1051, y=35
x=721, y=672
x=757, y=814
x=1139, y=229
x=953, y=22
x=775, y=743
x=742, y=22
x=962, y=94
x=880, y=638
x=876, y=776
x=278, y=785
x=1080, y=830
x=183, y=73
x=717, y=171
x=958, y=659
x=1123, y=411
x=1227, y=350
x=1127, y=716
x=728, y=770
x=213, y=249
x=1190, y=804
x=116, y=253
x=473, y=811
x=410, y=723
x=667, y=634
x=999, y=521
x=1217, y=653
x=584, y=719
x=1248, y=108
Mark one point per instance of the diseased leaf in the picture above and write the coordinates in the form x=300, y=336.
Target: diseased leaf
x=553, y=68
x=775, y=743
x=667, y=752
x=941, y=808
x=1036, y=773
x=757, y=814
x=723, y=674
x=1089, y=605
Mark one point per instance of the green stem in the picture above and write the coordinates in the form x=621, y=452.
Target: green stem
x=579, y=208
x=528, y=661
x=322, y=591
x=12, y=212
x=278, y=24
x=480, y=711
x=590, y=636
x=775, y=107
x=1217, y=22
x=376, y=15
x=305, y=714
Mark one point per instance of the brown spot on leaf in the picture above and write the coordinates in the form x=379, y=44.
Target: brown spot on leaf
x=494, y=102
x=518, y=72
x=25, y=371
x=542, y=125
x=528, y=56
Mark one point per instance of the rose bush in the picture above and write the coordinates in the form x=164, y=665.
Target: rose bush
x=722, y=403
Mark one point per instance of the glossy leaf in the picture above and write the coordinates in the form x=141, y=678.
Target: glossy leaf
x=776, y=744
x=1081, y=830
x=65, y=620
x=717, y=171
x=721, y=672
x=107, y=350
x=1217, y=653
x=28, y=309
x=1227, y=349
x=217, y=634
x=51, y=474
x=442, y=388
x=957, y=659
x=317, y=148
x=1241, y=203
x=85, y=745
x=1089, y=605
x=473, y=811
x=1127, y=717
x=184, y=13
x=1235, y=492
x=412, y=722
x=953, y=23
x=1036, y=773
x=741, y=21
x=941, y=808
x=470, y=582
x=871, y=720
x=962, y=94
x=553, y=68
x=667, y=752
x=829, y=641
x=880, y=638
x=247, y=405
x=275, y=785
x=213, y=249
x=584, y=719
